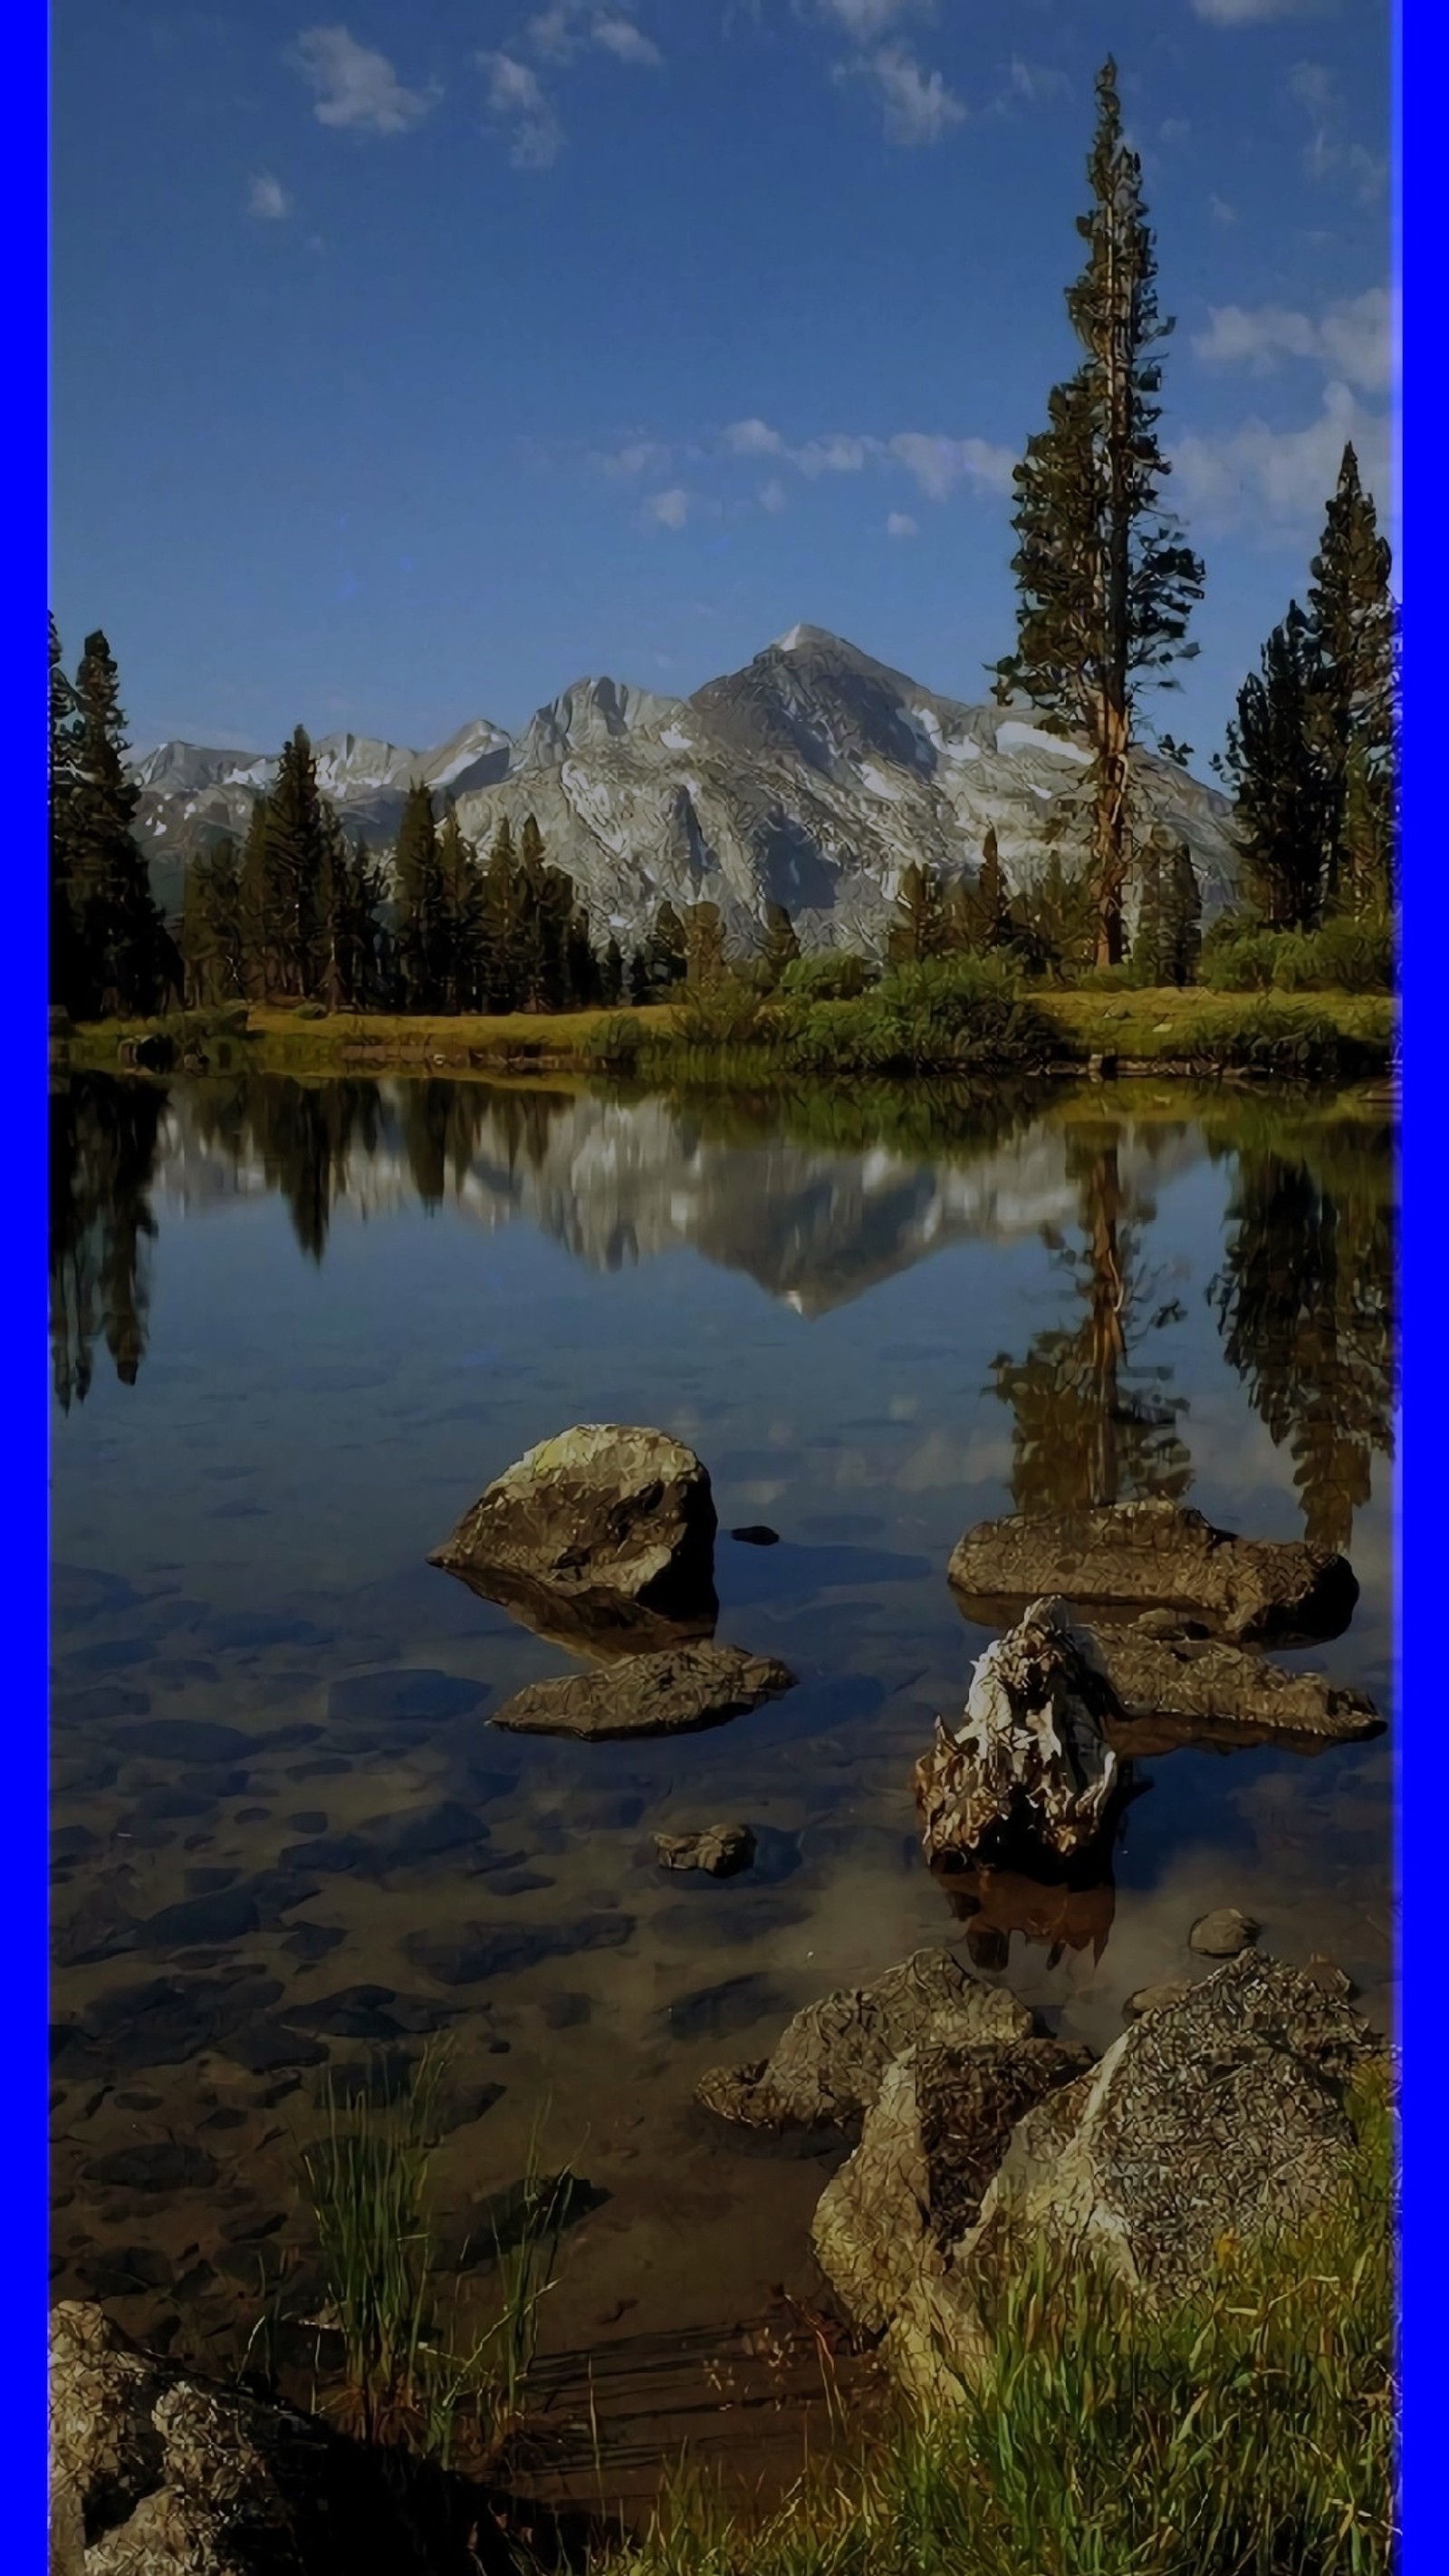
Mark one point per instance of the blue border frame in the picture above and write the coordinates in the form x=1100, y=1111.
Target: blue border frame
x=1421, y=252
x=25, y=184
x=1421, y=261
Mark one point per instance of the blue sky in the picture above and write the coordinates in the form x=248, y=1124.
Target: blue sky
x=409, y=366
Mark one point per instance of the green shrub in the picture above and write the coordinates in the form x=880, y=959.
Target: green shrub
x=834, y=977
x=725, y=1014
x=1345, y=956
x=618, y=1041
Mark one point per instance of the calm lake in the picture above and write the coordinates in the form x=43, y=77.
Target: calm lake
x=297, y=1329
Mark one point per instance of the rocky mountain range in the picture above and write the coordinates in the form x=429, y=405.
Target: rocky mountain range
x=812, y=778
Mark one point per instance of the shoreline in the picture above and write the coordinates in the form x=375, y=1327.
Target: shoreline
x=1179, y=1034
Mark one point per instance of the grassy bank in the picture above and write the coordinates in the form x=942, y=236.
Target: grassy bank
x=897, y=1029
x=1247, y=2431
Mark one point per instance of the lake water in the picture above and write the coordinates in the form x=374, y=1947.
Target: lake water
x=298, y=1329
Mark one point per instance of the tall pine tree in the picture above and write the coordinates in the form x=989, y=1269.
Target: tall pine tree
x=130, y=963
x=1105, y=583
x=67, y=983
x=1355, y=725
x=920, y=928
x=421, y=922
x=295, y=854
x=462, y=917
x=1282, y=789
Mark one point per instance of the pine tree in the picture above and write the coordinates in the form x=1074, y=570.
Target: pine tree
x=1282, y=789
x=640, y=989
x=1354, y=624
x=213, y=927
x=987, y=907
x=294, y=862
x=1168, y=938
x=421, y=926
x=782, y=945
x=131, y=964
x=462, y=917
x=1106, y=585
x=704, y=944
x=502, y=962
x=67, y=982
x=920, y=929
x=1056, y=920
x=611, y=974
x=260, y=929
x=666, y=957
x=585, y=982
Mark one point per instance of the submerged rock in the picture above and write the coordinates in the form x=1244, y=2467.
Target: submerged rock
x=603, y=1536
x=157, y=2470
x=1222, y=1934
x=826, y=2068
x=722, y=1850
x=1156, y=1555
x=1177, y=1689
x=1030, y=1764
x=673, y=1693
x=886, y=2223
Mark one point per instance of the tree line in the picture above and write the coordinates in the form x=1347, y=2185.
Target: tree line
x=1106, y=586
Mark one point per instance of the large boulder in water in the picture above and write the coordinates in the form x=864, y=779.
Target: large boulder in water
x=673, y=1693
x=1030, y=1764
x=1149, y=1556
x=826, y=2068
x=156, y=2471
x=603, y=1536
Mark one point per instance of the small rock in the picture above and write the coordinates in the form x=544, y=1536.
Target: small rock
x=1222, y=1934
x=722, y=1850
x=1326, y=1974
x=1158, y=1998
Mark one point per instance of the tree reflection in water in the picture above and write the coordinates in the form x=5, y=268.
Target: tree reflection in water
x=104, y=1137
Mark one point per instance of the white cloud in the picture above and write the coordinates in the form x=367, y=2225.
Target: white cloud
x=1279, y=480
x=268, y=198
x=1247, y=13
x=835, y=455
x=1355, y=340
x=1221, y=211
x=901, y=524
x=517, y=103
x=357, y=87
x=566, y=26
x=640, y=456
x=753, y=438
x=1174, y=129
x=1328, y=154
x=626, y=42
x=773, y=496
x=919, y=108
x=669, y=509
x=939, y=464
x=864, y=19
